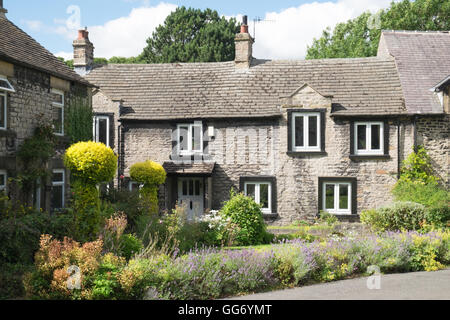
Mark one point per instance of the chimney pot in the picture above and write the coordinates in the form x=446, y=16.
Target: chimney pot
x=244, y=46
x=3, y=11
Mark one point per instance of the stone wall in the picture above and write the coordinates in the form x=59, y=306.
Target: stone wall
x=29, y=106
x=433, y=132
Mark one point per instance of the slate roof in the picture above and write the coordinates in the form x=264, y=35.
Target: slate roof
x=423, y=61
x=17, y=47
x=368, y=86
x=179, y=168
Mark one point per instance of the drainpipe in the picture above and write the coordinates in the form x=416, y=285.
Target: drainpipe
x=415, y=133
x=398, y=149
x=119, y=156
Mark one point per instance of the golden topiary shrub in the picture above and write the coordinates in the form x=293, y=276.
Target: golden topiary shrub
x=91, y=162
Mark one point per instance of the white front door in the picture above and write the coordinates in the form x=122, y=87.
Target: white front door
x=191, y=196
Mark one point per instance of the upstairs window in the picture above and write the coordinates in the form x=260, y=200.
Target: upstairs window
x=101, y=129
x=5, y=85
x=58, y=189
x=3, y=110
x=190, y=138
x=306, y=131
x=369, y=138
x=3, y=180
x=58, y=111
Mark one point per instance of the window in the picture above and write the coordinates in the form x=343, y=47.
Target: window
x=58, y=111
x=261, y=192
x=369, y=138
x=306, y=131
x=190, y=138
x=337, y=195
x=134, y=186
x=3, y=110
x=101, y=130
x=58, y=189
x=3, y=180
x=5, y=85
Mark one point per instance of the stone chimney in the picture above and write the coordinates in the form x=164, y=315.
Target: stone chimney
x=244, y=47
x=83, y=53
x=3, y=11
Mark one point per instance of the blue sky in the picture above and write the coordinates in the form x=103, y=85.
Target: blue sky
x=120, y=27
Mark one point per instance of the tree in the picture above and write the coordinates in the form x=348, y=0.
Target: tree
x=192, y=35
x=360, y=37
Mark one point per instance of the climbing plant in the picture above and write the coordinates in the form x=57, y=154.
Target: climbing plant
x=79, y=120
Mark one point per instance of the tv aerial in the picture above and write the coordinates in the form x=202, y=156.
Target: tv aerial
x=258, y=20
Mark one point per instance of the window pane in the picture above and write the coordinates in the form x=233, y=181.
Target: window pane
x=329, y=196
x=299, y=139
x=103, y=131
x=58, y=177
x=313, y=131
x=57, y=98
x=2, y=180
x=57, y=197
x=2, y=111
x=343, y=196
x=251, y=190
x=376, y=136
x=197, y=187
x=191, y=187
x=264, y=196
x=183, y=134
x=4, y=85
x=185, y=188
x=196, y=138
x=361, y=136
x=134, y=187
x=57, y=119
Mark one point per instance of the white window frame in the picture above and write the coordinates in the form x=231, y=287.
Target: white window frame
x=133, y=183
x=61, y=106
x=11, y=89
x=5, y=112
x=96, y=128
x=306, y=116
x=369, y=150
x=336, y=210
x=258, y=194
x=59, y=184
x=5, y=186
x=191, y=127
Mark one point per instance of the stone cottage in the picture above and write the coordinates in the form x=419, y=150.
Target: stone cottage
x=297, y=136
x=35, y=87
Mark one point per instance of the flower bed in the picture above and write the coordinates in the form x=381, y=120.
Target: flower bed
x=211, y=273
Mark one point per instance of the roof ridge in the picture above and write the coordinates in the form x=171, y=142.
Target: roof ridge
x=417, y=31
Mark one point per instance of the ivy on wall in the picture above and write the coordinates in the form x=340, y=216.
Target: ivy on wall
x=79, y=120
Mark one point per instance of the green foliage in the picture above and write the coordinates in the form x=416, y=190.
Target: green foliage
x=359, y=38
x=192, y=35
x=91, y=162
x=245, y=213
x=79, y=120
x=327, y=218
x=399, y=216
x=131, y=245
x=33, y=155
x=11, y=278
x=417, y=168
x=123, y=60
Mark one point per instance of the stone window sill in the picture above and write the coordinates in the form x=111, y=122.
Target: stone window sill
x=370, y=157
x=270, y=216
x=306, y=153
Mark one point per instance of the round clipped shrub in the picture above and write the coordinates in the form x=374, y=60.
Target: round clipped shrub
x=148, y=173
x=246, y=214
x=91, y=162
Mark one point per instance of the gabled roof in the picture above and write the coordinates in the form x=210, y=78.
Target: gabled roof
x=17, y=47
x=441, y=85
x=367, y=86
x=423, y=60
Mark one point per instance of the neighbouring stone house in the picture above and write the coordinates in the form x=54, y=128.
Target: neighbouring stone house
x=298, y=136
x=35, y=87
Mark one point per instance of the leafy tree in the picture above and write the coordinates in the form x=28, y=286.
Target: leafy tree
x=192, y=35
x=360, y=37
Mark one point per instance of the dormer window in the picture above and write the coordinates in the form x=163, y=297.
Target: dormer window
x=190, y=138
x=306, y=131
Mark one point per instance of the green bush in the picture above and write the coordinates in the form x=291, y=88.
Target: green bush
x=130, y=245
x=399, y=216
x=245, y=213
x=150, y=174
x=417, y=168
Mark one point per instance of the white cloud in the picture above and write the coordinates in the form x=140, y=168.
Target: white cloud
x=34, y=25
x=127, y=36
x=65, y=55
x=285, y=35
x=288, y=33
